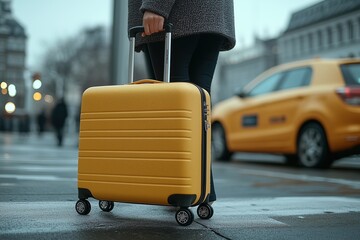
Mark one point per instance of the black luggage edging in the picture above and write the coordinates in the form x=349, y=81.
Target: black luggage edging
x=204, y=126
x=181, y=200
x=84, y=193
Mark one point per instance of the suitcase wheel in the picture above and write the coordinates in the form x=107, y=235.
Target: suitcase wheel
x=106, y=206
x=205, y=211
x=83, y=207
x=184, y=216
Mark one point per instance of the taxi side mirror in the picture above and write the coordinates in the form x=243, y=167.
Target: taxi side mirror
x=241, y=93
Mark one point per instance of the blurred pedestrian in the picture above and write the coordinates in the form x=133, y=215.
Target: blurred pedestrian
x=41, y=121
x=58, y=118
x=201, y=29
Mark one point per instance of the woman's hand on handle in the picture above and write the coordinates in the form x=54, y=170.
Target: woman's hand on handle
x=152, y=23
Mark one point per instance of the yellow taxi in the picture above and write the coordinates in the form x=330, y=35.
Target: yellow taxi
x=308, y=111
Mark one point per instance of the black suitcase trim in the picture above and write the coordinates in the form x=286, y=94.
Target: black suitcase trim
x=181, y=200
x=204, y=127
x=84, y=193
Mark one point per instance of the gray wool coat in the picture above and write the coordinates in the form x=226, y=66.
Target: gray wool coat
x=188, y=17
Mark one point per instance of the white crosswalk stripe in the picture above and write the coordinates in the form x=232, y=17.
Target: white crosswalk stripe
x=36, y=177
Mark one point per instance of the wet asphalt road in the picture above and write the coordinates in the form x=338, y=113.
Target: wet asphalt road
x=258, y=198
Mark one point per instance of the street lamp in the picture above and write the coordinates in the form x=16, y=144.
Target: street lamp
x=10, y=107
x=48, y=98
x=12, y=90
x=3, y=87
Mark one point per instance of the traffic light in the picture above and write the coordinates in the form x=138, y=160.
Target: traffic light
x=36, y=78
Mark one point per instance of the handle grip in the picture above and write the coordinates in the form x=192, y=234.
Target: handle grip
x=135, y=30
x=140, y=29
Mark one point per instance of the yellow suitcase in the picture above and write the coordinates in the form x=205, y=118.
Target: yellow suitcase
x=147, y=142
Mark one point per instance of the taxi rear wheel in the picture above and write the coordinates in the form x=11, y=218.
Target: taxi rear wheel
x=312, y=147
x=219, y=147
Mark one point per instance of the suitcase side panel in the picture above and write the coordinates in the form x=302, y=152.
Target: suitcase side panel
x=137, y=146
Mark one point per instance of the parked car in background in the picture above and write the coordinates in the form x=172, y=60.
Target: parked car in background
x=308, y=111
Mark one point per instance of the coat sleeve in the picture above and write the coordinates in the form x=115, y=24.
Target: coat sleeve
x=161, y=7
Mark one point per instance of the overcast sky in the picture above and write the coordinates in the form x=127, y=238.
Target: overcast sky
x=46, y=21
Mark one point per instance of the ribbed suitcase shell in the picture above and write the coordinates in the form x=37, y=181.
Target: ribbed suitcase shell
x=143, y=143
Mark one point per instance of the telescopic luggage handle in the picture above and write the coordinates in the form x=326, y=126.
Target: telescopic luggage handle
x=167, y=55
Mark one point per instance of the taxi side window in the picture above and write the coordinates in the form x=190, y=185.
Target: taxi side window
x=268, y=85
x=296, y=78
x=351, y=73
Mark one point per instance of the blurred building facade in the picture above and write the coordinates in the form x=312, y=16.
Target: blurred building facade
x=328, y=29
x=12, y=57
